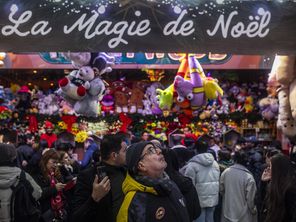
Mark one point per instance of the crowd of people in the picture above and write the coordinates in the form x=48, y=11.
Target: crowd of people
x=123, y=178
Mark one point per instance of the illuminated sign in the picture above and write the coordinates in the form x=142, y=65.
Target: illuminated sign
x=146, y=58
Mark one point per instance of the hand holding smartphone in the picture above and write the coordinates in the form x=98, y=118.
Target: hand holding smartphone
x=70, y=184
x=101, y=172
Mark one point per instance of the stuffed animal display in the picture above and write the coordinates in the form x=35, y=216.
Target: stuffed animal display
x=83, y=87
x=137, y=97
x=190, y=86
x=283, y=72
x=122, y=94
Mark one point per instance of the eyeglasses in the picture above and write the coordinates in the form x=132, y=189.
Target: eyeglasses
x=151, y=150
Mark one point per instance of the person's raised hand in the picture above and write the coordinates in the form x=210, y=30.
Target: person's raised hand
x=100, y=189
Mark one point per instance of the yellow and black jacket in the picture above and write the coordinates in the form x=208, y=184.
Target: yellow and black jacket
x=144, y=203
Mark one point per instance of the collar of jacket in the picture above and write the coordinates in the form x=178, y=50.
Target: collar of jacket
x=130, y=184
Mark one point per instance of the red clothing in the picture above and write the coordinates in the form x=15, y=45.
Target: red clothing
x=189, y=135
x=50, y=138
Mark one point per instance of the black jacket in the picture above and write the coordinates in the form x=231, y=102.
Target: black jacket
x=144, y=203
x=48, y=192
x=184, y=184
x=85, y=208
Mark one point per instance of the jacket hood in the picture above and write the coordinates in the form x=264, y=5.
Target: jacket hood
x=8, y=176
x=205, y=159
x=130, y=184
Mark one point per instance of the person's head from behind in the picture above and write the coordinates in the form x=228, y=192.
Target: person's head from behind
x=281, y=169
x=282, y=180
x=189, y=142
x=7, y=154
x=224, y=155
x=145, y=159
x=113, y=150
x=43, y=144
x=176, y=139
x=65, y=142
x=9, y=136
x=240, y=157
x=49, y=162
x=201, y=146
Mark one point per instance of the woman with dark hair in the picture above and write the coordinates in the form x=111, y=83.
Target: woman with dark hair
x=51, y=182
x=265, y=180
x=281, y=193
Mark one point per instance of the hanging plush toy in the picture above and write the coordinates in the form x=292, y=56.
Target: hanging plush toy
x=165, y=99
x=76, y=84
x=83, y=88
x=90, y=104
x=283, y=72
x=192, y=90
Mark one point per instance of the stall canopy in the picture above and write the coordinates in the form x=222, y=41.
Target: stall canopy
x=236, y=27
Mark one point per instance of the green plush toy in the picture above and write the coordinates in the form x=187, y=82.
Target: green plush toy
x=165, y=98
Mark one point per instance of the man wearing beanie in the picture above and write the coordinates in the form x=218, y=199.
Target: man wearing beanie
x=9, y=176
x=149, y=193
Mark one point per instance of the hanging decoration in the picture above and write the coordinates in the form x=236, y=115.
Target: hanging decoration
x=154, y=75
x=83, y=87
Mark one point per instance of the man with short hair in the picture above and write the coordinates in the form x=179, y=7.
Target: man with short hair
x=150, y=195
x=204, y=172
x=93, y=201
x=238, y=190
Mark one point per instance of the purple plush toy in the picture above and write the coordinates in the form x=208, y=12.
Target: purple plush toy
x=192, y=89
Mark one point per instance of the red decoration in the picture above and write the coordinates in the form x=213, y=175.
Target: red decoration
x=126, y=121
x=184, y=119
x=69, y=120
x=33, y=123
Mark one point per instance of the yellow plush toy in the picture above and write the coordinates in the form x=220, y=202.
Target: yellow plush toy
x=212, y=89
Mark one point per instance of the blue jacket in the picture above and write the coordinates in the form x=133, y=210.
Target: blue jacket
x=88, y=155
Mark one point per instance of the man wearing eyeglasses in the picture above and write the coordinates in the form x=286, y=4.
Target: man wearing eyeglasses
x=149, y=193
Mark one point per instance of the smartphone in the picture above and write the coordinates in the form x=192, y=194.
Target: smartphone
x=70, y=185
x=101, y=172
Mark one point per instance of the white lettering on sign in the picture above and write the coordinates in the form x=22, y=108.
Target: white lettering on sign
x=173, y=26
x=40, y=27
x=256, y=27
x=108, y=28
